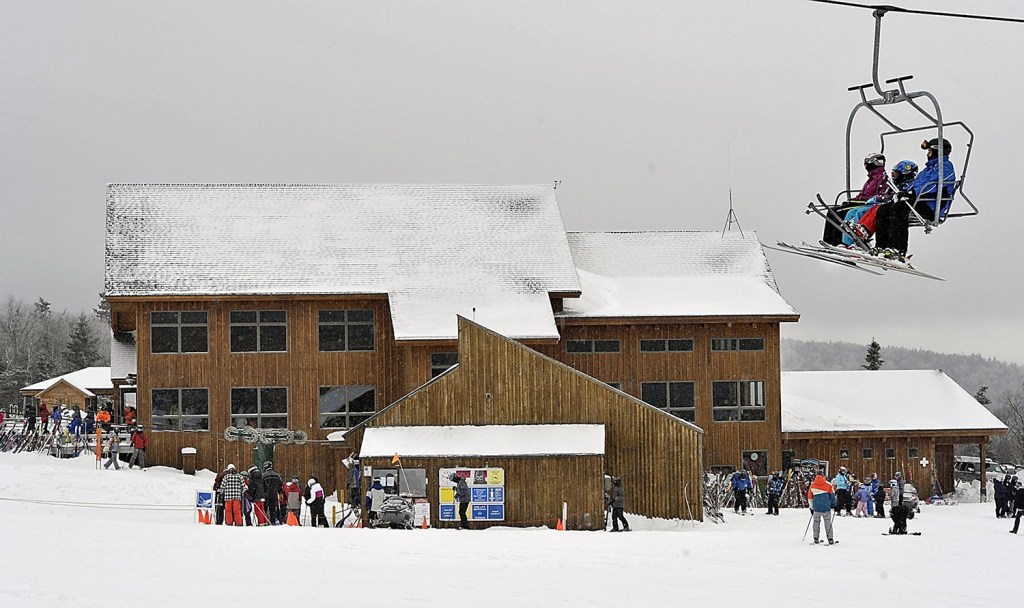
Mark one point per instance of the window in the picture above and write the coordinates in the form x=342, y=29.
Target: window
x=178, y=331
x=913, y=453
x=723, y=344
x=343, y=407
x=259, y=331
x=676, y=398
x=262, y=408
x=742, y=400
x=181, y=409
x=844, y=454
x=890, y=453
x=671, y=345
x=593, y=346
x=616, y=385
x=867, y=453
x=346, y=330
x=756, y=462
x=442, y=362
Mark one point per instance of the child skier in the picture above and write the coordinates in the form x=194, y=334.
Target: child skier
x=879, y=493
x=775, y=492
x=114, y=450
x=863, y=497
x=740, y=485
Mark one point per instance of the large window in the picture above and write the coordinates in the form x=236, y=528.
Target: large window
x=742, y=400
x=670, y=345
x=676, y=398
x=178, y=331
x=259, y=331
x=867, y=453
x=346, y=330
x=343, y=407
x=593, y=346
x=725, y=344
x=260, y=407
x=181, y=409
x=441, y=362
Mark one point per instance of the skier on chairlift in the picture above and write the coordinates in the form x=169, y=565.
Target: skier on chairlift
x=862, y=220
x=876, y=185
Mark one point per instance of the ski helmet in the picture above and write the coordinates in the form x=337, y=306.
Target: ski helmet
x=874, y=160
x=904, y=172
x=933, y=144
x=295, y=480
x=310, y=483
x=268, y=465
x=231, y=467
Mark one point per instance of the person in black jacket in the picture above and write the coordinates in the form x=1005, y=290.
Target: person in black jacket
x=1018, y=505
x=618, y=506
x=257, y=494
x=1001, y=490
x=271, y=488
x=462, y=495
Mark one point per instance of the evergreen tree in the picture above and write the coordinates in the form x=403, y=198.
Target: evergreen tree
x=82, y=351
x=873, y=359
x=981, y=397
x=102, y=310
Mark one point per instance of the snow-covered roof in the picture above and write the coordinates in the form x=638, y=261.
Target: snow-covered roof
x=497, y=440
x=123, y=358
x=879, y=400
x=413, y=242
x=625, y=274
x=426, y=316
x=87, y=380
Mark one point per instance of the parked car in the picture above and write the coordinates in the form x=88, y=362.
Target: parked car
x=966, y=468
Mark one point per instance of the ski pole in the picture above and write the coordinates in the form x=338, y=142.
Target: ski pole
x=808, y=527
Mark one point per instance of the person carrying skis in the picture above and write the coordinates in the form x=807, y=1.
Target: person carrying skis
x=316, y=503
x=1018, y=505
x=271, y=488
x=822, y=498
x=618, y=505
x=233, y=486
x=841, y=482
x=740, y=485
x=876, y=185
x=775, y=485
x=893, y=218
x=293, y=498
x=114, y=451
x=138, y=442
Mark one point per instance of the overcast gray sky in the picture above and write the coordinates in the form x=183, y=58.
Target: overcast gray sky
x=648, y=112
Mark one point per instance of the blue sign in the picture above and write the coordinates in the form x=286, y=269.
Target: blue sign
x=447, y=513
x=496, y=494
x=479, y=512
x=496, y=512
x=204, y=500
x=479, y=495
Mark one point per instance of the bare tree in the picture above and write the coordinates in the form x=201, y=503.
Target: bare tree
x=1011, y=413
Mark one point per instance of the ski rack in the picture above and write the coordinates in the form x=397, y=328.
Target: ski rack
x=936, y=122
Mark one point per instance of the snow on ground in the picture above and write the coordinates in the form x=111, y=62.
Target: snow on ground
x=102, y=557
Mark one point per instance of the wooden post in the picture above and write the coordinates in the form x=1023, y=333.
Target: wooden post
x=982, y=470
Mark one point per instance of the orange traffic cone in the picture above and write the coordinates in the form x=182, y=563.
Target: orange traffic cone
x=559, y=525
x=292, y=520
x=425, y=526
x=208, y=517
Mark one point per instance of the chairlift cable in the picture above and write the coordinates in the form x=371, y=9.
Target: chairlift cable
x=911, y=11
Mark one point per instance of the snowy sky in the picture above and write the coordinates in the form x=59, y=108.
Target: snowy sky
x=647, y=112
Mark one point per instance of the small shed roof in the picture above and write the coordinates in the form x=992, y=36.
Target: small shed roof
x=626, y=274
x=497, y=440
x=880, y=400
x=87, y=380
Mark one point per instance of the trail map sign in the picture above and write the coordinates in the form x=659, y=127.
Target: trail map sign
x=487, y=494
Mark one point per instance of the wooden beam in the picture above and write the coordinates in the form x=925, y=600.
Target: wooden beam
x=984, y=478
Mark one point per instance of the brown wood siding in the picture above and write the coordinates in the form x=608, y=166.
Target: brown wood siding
x=724, y=442
x=501, y=382
x=535, y=488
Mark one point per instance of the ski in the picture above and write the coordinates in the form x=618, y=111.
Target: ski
x=859, y=256
x=818, y=254
x=907, y=534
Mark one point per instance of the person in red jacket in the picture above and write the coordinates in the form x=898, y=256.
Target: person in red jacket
x=129, y=415
x=293, y=498
x=138, y=442
x=44, y=415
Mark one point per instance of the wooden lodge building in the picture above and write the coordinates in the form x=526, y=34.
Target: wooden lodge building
x=87, y=387
x=315, y=307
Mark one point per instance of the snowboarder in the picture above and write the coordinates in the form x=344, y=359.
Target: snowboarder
x=900, y=514
x=114, y=451
x=316, y=503
x=293, y=498
x=618, y=506
x=1018, y=505
x=893, y=218
x=740, y=485
x=139, y=443
x=876, y=185
x=822, y=498
x=271, y=488
x=841, y=482
x=462, y=495
x=233, y=486
x=775, y=492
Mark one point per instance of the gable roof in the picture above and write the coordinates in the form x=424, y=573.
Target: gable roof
x=673, y=274
x=87, y=380
x=426, y=246
x=880, y=400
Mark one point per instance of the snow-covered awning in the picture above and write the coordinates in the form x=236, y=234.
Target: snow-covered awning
x=497, y=440
x=880, y=400
x=87, y=380
x=420, y=316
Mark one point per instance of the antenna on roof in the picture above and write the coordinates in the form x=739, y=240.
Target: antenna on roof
x=474, y=314
x=732, y=218
x=557, y=181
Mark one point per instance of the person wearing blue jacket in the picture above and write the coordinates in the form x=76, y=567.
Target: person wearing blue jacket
x=873, y=490
x=775, y=485
x=740, y=485
x=841, y=482
x=822, y=499
x=893, y=219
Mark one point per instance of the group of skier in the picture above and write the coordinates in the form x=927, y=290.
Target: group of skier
x=827, y=500
x=882, y=208
x=1009, y=499
x=261, y=498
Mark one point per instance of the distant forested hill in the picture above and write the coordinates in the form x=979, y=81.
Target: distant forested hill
x=969, y=371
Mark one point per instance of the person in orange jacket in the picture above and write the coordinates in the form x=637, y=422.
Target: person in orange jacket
x=103, y=419
x=822, y=498
x=139, y=443
x=129, y=415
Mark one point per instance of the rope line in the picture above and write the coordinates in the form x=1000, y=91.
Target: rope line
x=100, y=505
x=912, y=11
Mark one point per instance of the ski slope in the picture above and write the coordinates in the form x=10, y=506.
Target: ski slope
x=62, y=555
